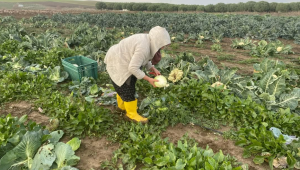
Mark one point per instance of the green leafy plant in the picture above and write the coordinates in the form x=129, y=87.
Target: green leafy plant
x=76, y=116
x=157, y=153
x=56, y=74
x=262, y=143
x=12, y=130
x=273, y=84
x=21, y=85
x=245, y=44
x=216, y=47
x=30, y=153
x=263, y=49
x=281, y=48
x=211, y=73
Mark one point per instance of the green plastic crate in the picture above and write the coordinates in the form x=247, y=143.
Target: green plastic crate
x=86, y=67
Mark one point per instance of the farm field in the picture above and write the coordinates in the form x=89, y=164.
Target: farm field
x=233, y=84
x=47, y=5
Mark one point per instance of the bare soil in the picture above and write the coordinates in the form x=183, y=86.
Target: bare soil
x=18, y=109
x=215, y=141
x=92, y=151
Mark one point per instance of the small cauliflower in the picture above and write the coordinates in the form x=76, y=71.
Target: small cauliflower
x=173, y=38
x=175, y=75
x=241, y=43
x=274, y=76
x=279, y=49
x=217, y=84
x=266, y=154
x=201, y=37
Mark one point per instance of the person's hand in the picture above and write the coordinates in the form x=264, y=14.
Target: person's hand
x=150, y=80
x=156, y=72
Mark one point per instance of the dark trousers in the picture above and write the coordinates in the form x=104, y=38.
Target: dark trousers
x=127, y=90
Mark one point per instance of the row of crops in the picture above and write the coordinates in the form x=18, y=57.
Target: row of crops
x=253, y=26
x=30, y=69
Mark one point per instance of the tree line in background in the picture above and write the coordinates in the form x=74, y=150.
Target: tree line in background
x=250, y=6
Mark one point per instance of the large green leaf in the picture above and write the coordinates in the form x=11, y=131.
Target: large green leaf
x=201, y=75
x=259, y=160
x=226, y=75
x=44, y=158
x=180, y=164
x=65, y=155
x=211, y=69
x=162, y=160
x=55, y=136
x=268, y=79
x=8, y=160
x=290, y=100
x=57, y=75
x=267, y=65
x=74, y=143
x=277, y=87
x=94, y=89
x=291, y=160
x=267, y=97
x=219, y=157
x=68, y=168
x=24, y=152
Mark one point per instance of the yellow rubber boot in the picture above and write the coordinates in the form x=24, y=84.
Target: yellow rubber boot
x=131, y=112
x=120, y=102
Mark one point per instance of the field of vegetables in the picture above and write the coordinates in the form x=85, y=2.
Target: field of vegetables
x=232, y=100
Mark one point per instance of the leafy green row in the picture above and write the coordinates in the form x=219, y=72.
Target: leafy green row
x=254, y=26
x=149, y=150
x=264, y=146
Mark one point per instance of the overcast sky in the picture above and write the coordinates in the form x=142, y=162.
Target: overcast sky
x=197, y=2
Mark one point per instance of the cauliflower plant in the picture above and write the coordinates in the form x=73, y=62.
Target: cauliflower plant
x=279, y=49
x=241, y=43
x=217, y=84
x=175, y=75
x=255, y=71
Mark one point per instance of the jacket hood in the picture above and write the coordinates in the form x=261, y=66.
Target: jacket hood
x=159, y=37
